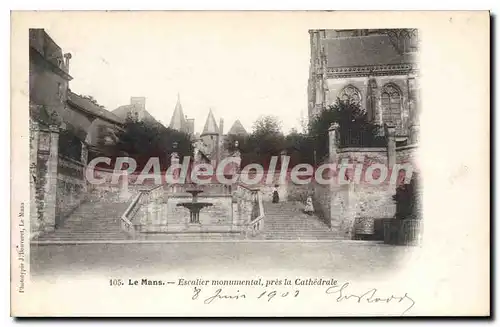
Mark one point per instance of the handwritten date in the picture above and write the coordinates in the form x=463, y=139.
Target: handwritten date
x=221, y=294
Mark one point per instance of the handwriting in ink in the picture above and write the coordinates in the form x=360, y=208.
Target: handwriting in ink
x=272, y=294
x=219, y=296
x=369, y=296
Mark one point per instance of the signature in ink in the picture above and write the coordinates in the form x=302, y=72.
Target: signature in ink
x=368, y=297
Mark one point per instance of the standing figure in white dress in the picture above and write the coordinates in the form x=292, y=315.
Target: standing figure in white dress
x=309, y=208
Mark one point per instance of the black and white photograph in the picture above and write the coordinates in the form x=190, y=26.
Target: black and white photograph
x=229, y=163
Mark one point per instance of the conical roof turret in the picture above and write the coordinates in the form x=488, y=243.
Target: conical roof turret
x=211, y=127
x=178, y=121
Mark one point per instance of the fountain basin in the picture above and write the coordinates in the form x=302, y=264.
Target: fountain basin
x=194, y=210
x=194, y=207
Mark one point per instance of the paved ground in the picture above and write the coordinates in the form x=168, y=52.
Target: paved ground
x=321, y=258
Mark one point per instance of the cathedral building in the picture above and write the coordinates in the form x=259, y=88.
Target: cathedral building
x=376, y=68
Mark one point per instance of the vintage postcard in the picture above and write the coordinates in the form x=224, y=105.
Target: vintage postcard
x=250, y=164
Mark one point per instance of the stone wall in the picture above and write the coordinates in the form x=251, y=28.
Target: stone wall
x=43, y=167
x=406, y=154
x=340, y=204
x=287, y=190
x=369, y=155
x=39, y=221
x=71, y=188
x=322, y=201
x=335, y=86
x=218, y=217
x=246, y=205
x=159, y=211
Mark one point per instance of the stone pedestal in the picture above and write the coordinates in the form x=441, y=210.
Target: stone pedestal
x=390, y=132
x=175, y=173
x=125, y=194
x=414, y=133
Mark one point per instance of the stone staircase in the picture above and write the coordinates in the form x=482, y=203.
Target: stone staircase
x=98, y=220
x=286, y=221
x=93, y=220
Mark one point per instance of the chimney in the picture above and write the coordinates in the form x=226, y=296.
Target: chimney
x=190, y=125
x=138, y=102
x=221, y=126
x=67, y=57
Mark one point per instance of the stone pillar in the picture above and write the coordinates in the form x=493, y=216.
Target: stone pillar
x=413, y=125
x=84, y=160
x=50, y=208
x=34, y=134
x=414, y=133
x=174, y=160
x=390, y=132
x=235, y=226
x=124, y=193
x=333, y=136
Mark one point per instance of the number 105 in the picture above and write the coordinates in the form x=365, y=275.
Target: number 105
x=115, y=282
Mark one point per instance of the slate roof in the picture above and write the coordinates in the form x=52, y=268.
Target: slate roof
x=86, y=105
x=178, y=120
x=123, y=112
x=237, y=129
x=363, y=51
x=210, y=125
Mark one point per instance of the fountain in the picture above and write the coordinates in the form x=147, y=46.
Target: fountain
x=194, y=206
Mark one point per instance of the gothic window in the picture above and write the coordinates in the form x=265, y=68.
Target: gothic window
x=350, y=93
x=391, y=105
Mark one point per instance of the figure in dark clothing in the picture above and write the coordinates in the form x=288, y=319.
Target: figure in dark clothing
x=276, y=196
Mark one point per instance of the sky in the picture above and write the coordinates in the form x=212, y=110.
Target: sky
x=238, y=66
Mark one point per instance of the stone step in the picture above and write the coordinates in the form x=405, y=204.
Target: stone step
x=79, y=239
x=191, y=236
x=82, y=235
x=287, y=221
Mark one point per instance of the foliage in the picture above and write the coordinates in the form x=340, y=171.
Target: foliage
x=267, y=125
x=407, y=202
x=143, y=140
x=69, y=145
x=300, y=148
x=310, y=145
x=354, y=128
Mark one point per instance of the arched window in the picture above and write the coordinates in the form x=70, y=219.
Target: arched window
x=350, y=93
x=391, y=105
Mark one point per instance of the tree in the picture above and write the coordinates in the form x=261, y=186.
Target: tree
x=266, y=140
x=142, y=140
x=354, y=128
x=267, y=125
x=300, y=148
